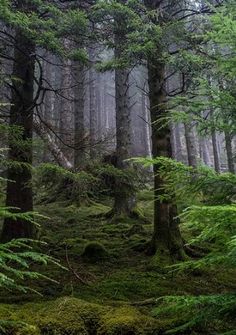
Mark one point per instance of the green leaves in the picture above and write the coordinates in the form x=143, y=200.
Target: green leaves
x=44, y=23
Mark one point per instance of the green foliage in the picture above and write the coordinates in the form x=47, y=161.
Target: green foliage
x=63, y=184
x=197, y=313
x=113, y=179
x=209, y=62
x=133, y=22
x=212, y=224
x=15, y=259
x=44, y=23
x=189, y=186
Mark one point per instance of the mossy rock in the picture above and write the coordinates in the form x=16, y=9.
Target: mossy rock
x=94, y=251
x=126, y=321
x=71, y=316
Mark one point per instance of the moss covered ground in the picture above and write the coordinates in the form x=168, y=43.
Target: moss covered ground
x=110, y=286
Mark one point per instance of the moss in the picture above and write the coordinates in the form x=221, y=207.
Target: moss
x=126, y=321
x=94, y=251
x=71, y=316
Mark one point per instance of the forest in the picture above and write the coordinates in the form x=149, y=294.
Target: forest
x=117, y=167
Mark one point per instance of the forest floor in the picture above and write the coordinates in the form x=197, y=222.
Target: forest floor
x=110, y=278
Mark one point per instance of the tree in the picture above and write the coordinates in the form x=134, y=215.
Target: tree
x=166, y=239
x=28, y=25
x=19, y=188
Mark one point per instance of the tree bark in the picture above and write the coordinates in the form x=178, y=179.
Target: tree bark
x=229, y=152
x=66, y=112
x=79, y=116
x=92, y=105
x=166, y=239
x=19, y=185
x=204, y=151
x=216, y=151
x=191, y=145
x=52, y=146
x=124, y=201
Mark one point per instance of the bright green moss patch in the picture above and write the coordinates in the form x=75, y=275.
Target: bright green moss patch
x=126, y=320
x=71, y=316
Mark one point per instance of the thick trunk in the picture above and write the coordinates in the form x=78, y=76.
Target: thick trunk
x=19, y=187
x=166, y=238
x=229, y=152
x=124, y=201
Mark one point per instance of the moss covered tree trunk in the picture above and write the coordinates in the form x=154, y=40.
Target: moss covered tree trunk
x=19, y=185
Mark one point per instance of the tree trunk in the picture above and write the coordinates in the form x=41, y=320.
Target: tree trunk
x=215, y=151
x=92, y=105
x=79, y=116
x=19, y=185
x=66, y=112
x=166, y=239
x=204, y=151
x=229, y=152
x=191, y=145
x=42, y=131
x=124, y=201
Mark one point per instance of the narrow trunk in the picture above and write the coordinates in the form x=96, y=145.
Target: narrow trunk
x=229, y=152
x=191, y=145
x=19, y=187
x=215, y=151
x=65, y=117
x=204, y=151
x=79, y=116
x=92, y=105
x=51, y=145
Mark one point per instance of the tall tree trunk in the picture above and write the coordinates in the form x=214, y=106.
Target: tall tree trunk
x=204, y=151
x=229, y=152
x=215, y=151
x=166, y=239
x=66, y=113
x=124, y=201
x=92, y=105
x=19, y=187
x=79, y=116
x=166, y=236
x=191, y=145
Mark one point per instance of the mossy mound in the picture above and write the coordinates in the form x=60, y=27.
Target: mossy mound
x=94, y=251
x=71, y=316
x=126, y=321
